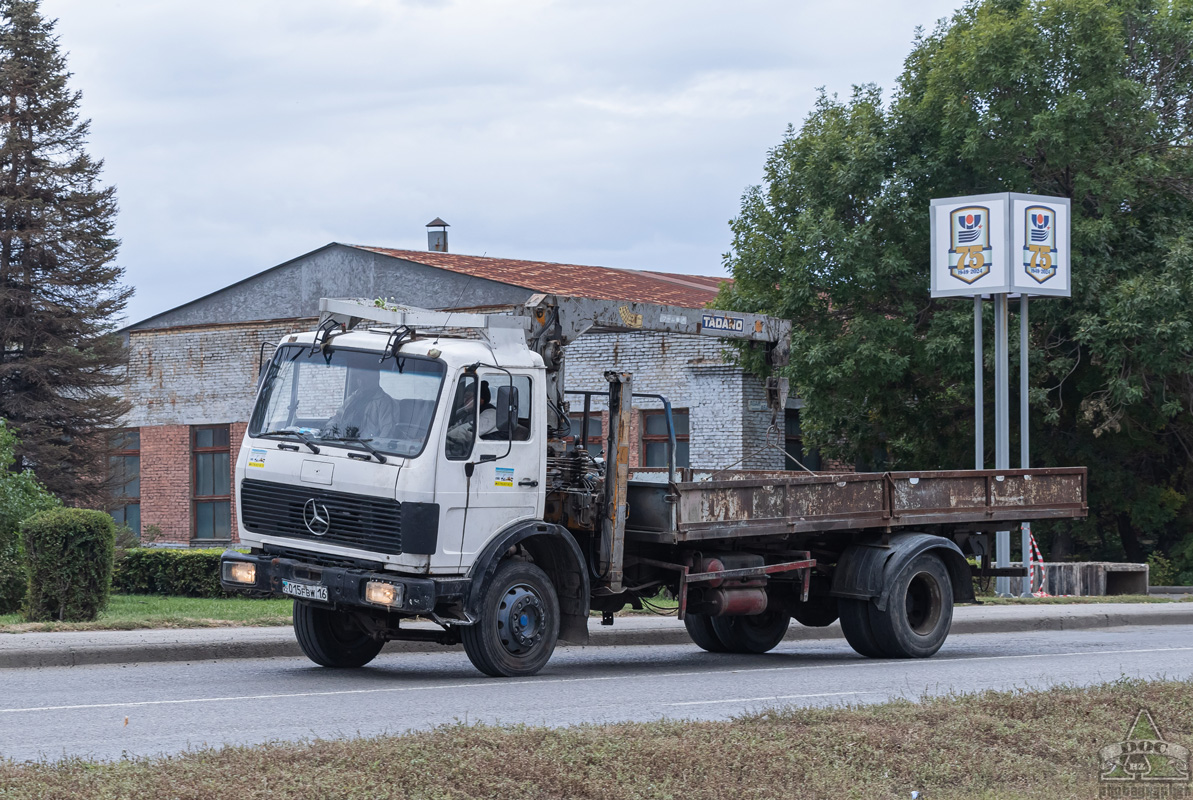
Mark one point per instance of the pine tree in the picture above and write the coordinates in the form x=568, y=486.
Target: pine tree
x=60, y=291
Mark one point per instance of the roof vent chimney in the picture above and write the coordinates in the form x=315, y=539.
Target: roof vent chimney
x=437, y=239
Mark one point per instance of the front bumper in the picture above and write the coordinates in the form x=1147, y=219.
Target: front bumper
x=345, y=585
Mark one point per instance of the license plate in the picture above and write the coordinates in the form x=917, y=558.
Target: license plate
x=307, y=591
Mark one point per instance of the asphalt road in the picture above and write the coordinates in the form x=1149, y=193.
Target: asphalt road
x=144, y=709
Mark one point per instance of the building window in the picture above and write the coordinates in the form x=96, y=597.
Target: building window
x=794, y=444
x=654, y=438
x=595, y=443
x=211, y=481
x=124, y=464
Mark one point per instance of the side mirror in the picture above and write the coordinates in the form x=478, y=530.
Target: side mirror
x=507, y=411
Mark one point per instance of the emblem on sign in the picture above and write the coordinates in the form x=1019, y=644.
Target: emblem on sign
x=316, y=517
x=1039, y=246
x=969, y=253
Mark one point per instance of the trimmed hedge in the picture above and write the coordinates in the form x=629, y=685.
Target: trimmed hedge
x=12, y=572
x=68, y=558
x=158, y=570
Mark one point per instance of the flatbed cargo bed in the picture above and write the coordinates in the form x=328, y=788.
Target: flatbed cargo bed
x=732, y=504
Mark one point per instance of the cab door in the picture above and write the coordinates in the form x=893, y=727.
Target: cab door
x=508, y=479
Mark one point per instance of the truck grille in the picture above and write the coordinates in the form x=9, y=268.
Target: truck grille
x=317, y=515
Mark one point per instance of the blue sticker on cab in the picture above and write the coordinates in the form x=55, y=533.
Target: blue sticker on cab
x=504, y=476
x=256, y=458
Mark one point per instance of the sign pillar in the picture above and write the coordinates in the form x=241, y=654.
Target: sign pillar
x=1002, y=427
x=1024, y=431
x=979, y=401
x=998, y=245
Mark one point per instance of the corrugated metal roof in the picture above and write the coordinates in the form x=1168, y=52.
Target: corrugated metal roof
x=599, y=283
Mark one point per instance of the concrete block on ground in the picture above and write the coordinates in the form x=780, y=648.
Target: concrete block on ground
x=1091, y=578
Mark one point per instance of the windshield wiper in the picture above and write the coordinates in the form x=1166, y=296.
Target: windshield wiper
x=356, y=439
x=296, y=434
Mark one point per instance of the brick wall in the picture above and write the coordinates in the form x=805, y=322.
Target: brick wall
x=179, y=377
x=198, y=375
x=166, y=481
x=693, y=372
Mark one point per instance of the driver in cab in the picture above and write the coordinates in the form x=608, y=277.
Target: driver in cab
x=460, y=432
x=367, y=411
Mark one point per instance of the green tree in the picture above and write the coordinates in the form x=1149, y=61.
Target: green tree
x=59, y=288
x=21, y=496
x=1087, y=99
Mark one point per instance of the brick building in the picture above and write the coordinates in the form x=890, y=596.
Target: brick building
x=193, y=371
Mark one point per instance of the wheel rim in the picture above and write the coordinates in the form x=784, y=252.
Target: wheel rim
x=924, y=603
x=521, y=619
x=344, y=632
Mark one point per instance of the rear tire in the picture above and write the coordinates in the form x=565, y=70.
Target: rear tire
x=700, y=628
x=855, y=624
x=331, y=638
x=756, y=633
x=518, y=625
x=919, y=611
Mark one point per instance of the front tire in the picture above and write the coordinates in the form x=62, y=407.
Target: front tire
x=919, y=611
x=331, y=638
x=756, y=633
x=518, y=625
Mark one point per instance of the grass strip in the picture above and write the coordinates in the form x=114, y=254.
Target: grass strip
x=990, y=745
x=1080, y=601
x=126, y=612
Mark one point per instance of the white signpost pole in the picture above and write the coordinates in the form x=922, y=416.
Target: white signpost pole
x=1001, y=244
x=979, y=401
x=1024, y=430
x=1002, y=428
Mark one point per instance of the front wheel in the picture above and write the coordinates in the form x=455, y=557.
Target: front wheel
x=331, y=638
x=919, y=610
x=756, y=633
x=518, y=625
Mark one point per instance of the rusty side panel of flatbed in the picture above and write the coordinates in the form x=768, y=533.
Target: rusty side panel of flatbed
x=765, y=504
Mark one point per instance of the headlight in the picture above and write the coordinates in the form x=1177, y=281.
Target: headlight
x=239, y=572
x=384, y=594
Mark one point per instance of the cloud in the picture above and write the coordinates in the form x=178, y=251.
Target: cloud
x=241, y=134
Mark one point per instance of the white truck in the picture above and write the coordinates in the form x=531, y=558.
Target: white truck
x=402, y=463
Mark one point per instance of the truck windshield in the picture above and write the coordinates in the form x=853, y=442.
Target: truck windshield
x=344, y=395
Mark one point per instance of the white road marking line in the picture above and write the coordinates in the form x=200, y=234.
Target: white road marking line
x=760, y=699
x=868, y=663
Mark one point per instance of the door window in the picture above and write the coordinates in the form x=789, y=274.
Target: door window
x=461, y=424
x=492, y=427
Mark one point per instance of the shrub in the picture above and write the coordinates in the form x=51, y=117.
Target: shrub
x=152, y=570
x=68, y=558
x=21, y=496
x=1161, y=571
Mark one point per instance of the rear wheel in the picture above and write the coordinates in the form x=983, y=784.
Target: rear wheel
x=756, y=633
x=518, y=625
x=332, y=638
x=855, y=624
x=701, y=630
x=919, y=612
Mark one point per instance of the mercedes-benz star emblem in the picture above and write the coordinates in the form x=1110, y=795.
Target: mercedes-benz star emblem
x=316, y=518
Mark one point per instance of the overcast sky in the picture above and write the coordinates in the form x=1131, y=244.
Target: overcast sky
x=243, y=133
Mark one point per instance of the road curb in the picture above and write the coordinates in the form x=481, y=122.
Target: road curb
x=284, y=646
